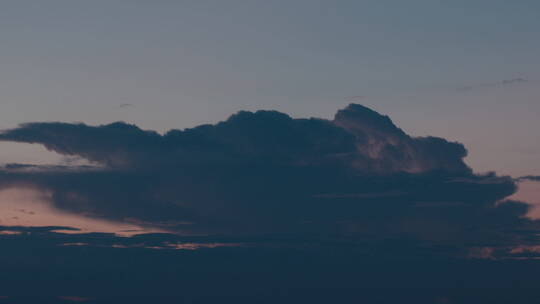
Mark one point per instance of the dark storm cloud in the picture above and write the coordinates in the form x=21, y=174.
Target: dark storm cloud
x=357, y=175
x=357, y=138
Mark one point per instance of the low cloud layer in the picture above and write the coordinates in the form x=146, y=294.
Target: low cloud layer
x=356, y=176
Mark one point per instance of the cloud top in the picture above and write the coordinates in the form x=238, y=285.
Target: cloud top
x=358, y=138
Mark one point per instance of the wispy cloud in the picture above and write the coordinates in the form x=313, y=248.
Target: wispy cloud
x=502, y=83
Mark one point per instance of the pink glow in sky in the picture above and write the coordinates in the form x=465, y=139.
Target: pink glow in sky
x=529, y=192
x=32, y=208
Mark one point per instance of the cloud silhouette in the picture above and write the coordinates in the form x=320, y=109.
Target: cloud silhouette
x=534, y=178
x=357, y=138
x=356, y=176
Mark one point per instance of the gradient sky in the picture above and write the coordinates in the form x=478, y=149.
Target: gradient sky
x=272, y=209
x=436, y=67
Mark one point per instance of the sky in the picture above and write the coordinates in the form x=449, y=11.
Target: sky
x=438, y=68
x=270, y=150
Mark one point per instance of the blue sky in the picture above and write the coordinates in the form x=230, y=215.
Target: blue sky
x=436, y=67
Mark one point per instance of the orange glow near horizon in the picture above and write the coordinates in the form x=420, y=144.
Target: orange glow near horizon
x=32, y=208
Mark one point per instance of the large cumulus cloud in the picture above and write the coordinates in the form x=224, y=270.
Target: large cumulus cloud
x=356, y=176
x=358, y=138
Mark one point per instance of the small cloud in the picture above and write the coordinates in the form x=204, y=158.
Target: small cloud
x=534, y=178
x=354, y=98
x=503, y=83
x=26, y=211
x=514, y=80
x=126, y=105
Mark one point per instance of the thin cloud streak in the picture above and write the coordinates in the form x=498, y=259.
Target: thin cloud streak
x=503, y=83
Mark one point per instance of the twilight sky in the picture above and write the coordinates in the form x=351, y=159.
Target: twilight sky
x=297, y=151
x=461, y=70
